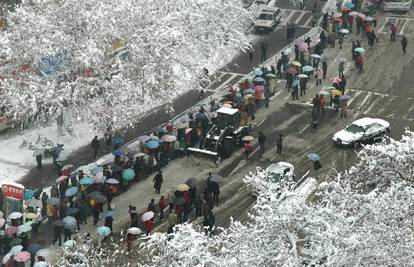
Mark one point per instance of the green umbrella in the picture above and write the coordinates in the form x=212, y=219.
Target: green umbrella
x=270, y=75
x=128, y=174
x=359, y=49
x=85, y=169
x=15, y=242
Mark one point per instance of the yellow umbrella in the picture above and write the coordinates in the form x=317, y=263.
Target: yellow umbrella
x=296, y=63
x=30, y=215
x=336, y=92
x=182, y=187
x=247, y=138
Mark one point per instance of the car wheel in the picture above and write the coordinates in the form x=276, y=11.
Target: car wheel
x=356, y=145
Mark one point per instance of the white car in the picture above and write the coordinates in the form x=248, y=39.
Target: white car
x=268, y=19
x=364, y=130
x=279, y=170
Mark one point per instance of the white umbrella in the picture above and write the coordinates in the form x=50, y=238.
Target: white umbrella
x=16, y=249
x=147, y=216
x=41, y=264
x=169, y=138
x=1, y=214
x=303, y=76
x=315, y=56
x=33, y=203
x=180, y=125
x=342, y=59
x=324, y=93
x=45, y=253
x=134, y=231
x=15, y=215
x=24, y=228
x=7, y=257
x=67, y=167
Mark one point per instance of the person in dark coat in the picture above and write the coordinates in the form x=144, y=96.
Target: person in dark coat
x=262, y=140
x=162, y=205
x=211, y=222
x=108, y=222
x=95, y=214
x=404, y=43
x=67, y=234
x=95, y=144
x=44, y=203
x=157, y=182
x=151, y=206
x=198, y=205
x=316, y=165
x=279, y=143
x=109, y=197
x=57, y=234
x=322, y=37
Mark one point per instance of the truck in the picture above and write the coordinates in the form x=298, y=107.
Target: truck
x=268, y=18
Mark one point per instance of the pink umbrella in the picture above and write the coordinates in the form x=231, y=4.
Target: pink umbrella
x=11, y=230
x=97, y=177
x=303, y=47
x=299, y=41
x=22, y=256
x=2, y=221
x=362, y=16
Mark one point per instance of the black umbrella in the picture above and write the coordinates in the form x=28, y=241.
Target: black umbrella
x=191, y=182
x=216, y=178
x=33, y=248
x=71, y=211
x=53, y=201
x=58, y=223
x=94, y=194
x=100, y=199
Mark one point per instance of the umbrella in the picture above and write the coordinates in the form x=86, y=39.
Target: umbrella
x=324, y=93
x=85, y=169
x=41, y=264
x=359, y=49
x=118, y=152
x=353, y=13
x=190, y=129
x=33, y=248
x=118, y=141
x=15, y=215
x=87, y=180
x=139, y=154
x=315, y=56
x=270, y=75
x=169, y=138
x=53, y=201
x=303, y=76
x=108, y=213
x=249, y=91
x=344, y=31
x=247, y=138
x=112, y=181
x=335, y=80
x=191, y=182
x=232, y=89
x=147, y=216
x=292, y=71
x=144, y=138
x=369, y=18
x=16, y=249
x=7, y=257
x=61, y=178
x=58, y=223
x=216, y=178
x=345, y=9
x=336, y=92
x=28, y=194
x=313, y=157
x=69, y=220
x=100, y=199
x=71, y=191
x=339, y=20
x=349, y=5
x=307, y=68
x=94, y=194
x=105, y=160
x=344, y=97
x=34, y=203
x=15, y=242
x=29, y=223
x=342, y=60
x=96, y=170
x=103, y=230
x=71, y=211
x=296, y=63
x=74, y=174
x=152, y=144
x=1, y=214
x=180, y=125
x=128, y=174
x=24, y=228
x=61, y=158
x=134, y=231
x=362, y=16
x=179, y=201
x=11, y=230
x=44, y=252
x=2, y=222
x=258, y=72
x=66, y=167
x=299, y=41
x=303, y=46
x=70, y=243
x=22, y=256
x=200, y=115
x=182, y=187
x=258, y=79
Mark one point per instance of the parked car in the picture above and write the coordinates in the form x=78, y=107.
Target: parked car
x=268, y=18
x=279, y=170
x=362, y=131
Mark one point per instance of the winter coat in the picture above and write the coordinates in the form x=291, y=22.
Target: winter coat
x=319, y=74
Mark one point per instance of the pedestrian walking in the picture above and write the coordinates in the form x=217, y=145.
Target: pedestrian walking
x=44, y=204
x=151, y=206
x=344, y=108
x=262, y=140
x=95, y=213
x=161, y=205
x=322, y=104
x=172, y=219
x=404, y=43
x=263, y=48
x=285, y=60
x=108, y=136
x=279, y=144
x=322, y=38
x=353, y=53
x=251, y=53
x=393, y=31
x=211, y=222
x=303, y=82
x=247, y=148
x=57, y=234
x=295, y=89
x=279, y=65
x=324, y=68
x=360, y=64
x=95, y=146
x=109, y=197
x=340, y=39
x=332, y=39
x=67, y=234
x=38, y=155
x=316, y=165
x=133, y=216
x=108, y=222
x=319, y=76
x=198, y=202
x=157, y=182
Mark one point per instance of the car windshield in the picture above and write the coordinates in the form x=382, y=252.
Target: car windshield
x=354, y=129
x=265, y=17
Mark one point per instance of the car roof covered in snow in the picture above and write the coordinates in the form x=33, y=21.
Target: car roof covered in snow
x=364, y=122
x=227, y=110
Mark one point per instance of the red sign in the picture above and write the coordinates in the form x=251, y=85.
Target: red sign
x=13, y=191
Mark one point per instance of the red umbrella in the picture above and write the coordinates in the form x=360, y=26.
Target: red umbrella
x=292, y=71
x=339, y=20
x=335, y=80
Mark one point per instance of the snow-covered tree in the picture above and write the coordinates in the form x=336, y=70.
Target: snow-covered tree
x=110, y=61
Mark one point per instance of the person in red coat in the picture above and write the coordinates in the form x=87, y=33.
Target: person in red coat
x=148, y=226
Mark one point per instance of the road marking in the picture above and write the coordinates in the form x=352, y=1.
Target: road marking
x=232, y=73
x=259, y=123
x=308, y=21
x=275, y=95
x=299, y=18
x=372, y=105
x=390, y=115
x=286, y=19
x=306, y=127
x=363, y=102
x=286, y=98
x=374, y=93
x=403, y=27
x=408, y=112
x=357, y=93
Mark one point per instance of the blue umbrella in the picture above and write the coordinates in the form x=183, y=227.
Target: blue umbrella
x=344, y=97
x=128, y=174
x=103, y=230
x=118, y=152
x=258, y=79
x=87, y=180
x=295, y=82
x=108, y=213
x=74, y=174
x=118, y=141
x=33, y=248
x=349, y=5
x=71, y=191
x=307, y=68
x=258, y=72
x=313, y=157
x=152, y=144
x=71, y=211
x=96, y=170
